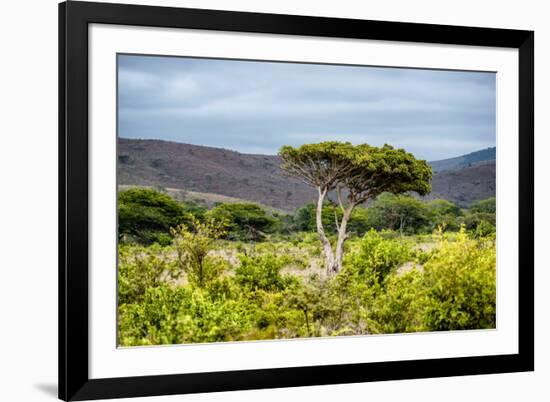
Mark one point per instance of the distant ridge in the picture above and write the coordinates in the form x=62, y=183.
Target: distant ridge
x=483, y=156
x=257, y=178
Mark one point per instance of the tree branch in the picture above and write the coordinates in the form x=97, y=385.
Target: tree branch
x=339, y=193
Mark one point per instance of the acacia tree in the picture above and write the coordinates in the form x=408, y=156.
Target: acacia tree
x=362, y=172
x=322, y=166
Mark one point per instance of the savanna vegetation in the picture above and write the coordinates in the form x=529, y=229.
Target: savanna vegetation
x=368, y=256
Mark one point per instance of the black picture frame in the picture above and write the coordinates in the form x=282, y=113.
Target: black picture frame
x=74, y=381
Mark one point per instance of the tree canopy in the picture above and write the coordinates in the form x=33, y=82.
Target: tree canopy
x=244, y=221
x=365, y=170
x=147, y=215
x=398, y=212
x=320, y=165
x=488, y=206
x=386, y=169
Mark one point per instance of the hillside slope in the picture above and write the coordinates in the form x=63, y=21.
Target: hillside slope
x=484, y=156
x=209, y=170
x=258, y=178
x=466, y=185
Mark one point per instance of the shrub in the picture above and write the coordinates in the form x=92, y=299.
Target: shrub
x=262, y=272
x=488, y=220
x=402, y=213
x=454, y=289
x=169, y=315
x=460, y=281
x=192, y=209
x=193, y=245
x=443, y=214
x=245, y=221
x=485, y=206
x=484, y=229
x=400, y=307
x=140, y=268
x=378, y=255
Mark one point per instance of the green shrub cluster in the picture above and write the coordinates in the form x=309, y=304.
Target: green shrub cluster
x=451, y=287
x=378, y=256
x=239, y=272
x=146, y=216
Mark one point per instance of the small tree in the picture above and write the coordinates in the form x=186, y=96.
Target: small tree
x=146, y=215
x=193, y=245
x=363, y=171
x=244, y=221
x=400, y=212
x=444, y=214
x=488, y=206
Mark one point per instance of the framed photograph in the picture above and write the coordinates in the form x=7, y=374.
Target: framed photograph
x=258, y=201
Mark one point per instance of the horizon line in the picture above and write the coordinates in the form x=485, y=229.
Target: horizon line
x=259, y=154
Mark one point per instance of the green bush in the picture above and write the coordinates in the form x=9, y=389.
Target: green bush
x=141, y=268
x=244, y=221
x=263, y=272
x=443, y=214
x=193, y=245
x=193, y=209
x=401, y=213
x=146, y=216
x=485, y=229
x=485, y=206
x=183, y=315
x=271, y=290
x=460, y=284
x=400, y=308
x=486, y=220
x=378, y=255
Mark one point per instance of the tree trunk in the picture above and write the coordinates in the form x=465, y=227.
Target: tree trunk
x=342, y=236
x=402, y=221
x=329, y=256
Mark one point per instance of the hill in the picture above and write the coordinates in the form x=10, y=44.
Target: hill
x=221, y=172
x=484, y=156
x=209, y=170
x=465, y=185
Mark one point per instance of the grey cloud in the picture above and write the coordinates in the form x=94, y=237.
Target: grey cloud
x=256, y=107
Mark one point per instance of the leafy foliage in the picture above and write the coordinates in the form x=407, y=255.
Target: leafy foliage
x=141, y=268
x=454, y=288
x=443, y=214
x=321, y=165
x=403, y=213
x=170, y=315
x=378, y=256
x=210, y=278
x=262, y=272
x=460, y=282
x=482, y=222
x=146, y=215
x=488, y=206
x=386, y=169
x=193, y=245
x=366, y=171
x=244, y=221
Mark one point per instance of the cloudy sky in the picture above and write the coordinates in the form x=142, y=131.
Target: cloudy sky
x=256, y=107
